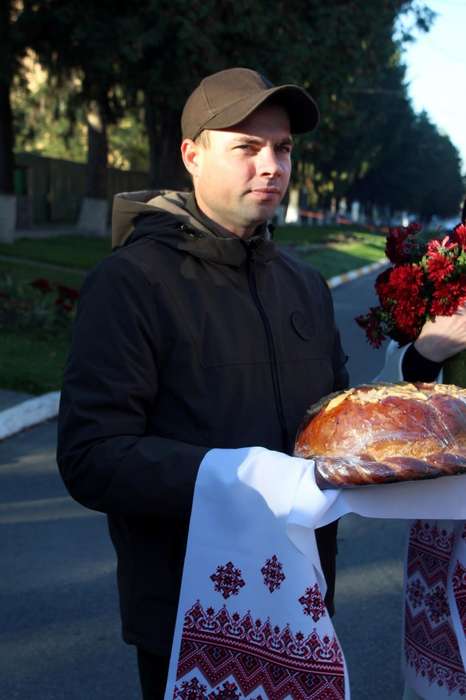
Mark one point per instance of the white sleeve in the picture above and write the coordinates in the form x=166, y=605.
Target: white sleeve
x=392, y=371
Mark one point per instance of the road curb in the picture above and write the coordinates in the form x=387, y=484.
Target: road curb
x=41, y=408
x=354, y=274
x=28, y=413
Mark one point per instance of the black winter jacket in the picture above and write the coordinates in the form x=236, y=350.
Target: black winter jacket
x=185, y=340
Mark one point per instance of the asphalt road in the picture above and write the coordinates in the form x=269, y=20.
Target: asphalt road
x=59, y=623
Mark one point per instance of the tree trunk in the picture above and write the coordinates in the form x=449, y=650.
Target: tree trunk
x=6, y=141
x=97, y=153
x=7, y=158
x=166, y=169
x=6, y=115
x=93, y=215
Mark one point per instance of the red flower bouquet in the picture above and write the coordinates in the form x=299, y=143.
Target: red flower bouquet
x=426, y=279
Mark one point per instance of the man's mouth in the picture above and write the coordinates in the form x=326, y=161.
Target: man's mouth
x=267, y=190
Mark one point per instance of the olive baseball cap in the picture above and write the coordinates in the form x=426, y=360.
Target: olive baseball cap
x=225, y=98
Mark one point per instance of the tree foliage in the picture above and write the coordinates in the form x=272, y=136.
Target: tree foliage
x=125, y=62
x=418, y=170
x=12, y=47
x=332, y=48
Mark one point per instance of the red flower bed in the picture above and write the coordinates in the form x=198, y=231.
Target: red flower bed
x=47, y=307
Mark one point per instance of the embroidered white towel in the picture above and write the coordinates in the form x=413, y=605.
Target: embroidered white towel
x=251, y=620
x=434, y=625
x=434, y=648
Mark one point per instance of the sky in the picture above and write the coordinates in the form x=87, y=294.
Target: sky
x=436, y=74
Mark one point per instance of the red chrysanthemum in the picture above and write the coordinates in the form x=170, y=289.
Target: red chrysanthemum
x=448, y=296
x=402, y=244
x=426, y=280
x=409, y=315
x=383, y=288
x=439, y=267
x=372, y=324
x=400, y=293
x=394, y=248
x=405, y=280
x=459, y=235
x=436, y=246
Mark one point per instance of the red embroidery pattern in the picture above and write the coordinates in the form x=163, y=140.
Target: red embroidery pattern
x=228, y=691
x=194, y=690
x=415, y=591
x=257, y=656
x=313, y=603
x=431, y=647
x=459, y=588
x=272, y=572
x=423, y=533
x=437, y=604
x=228, y=580
x=191, y=690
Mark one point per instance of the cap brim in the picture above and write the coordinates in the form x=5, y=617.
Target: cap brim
x=302, y=110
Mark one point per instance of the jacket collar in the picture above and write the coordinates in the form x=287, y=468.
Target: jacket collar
x=173, y=218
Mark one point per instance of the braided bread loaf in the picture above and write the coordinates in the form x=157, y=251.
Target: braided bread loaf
x=379, y=433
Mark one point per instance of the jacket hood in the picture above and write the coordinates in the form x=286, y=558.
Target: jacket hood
x=129, y=205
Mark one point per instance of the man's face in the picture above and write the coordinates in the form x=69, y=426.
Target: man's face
x=242, y=174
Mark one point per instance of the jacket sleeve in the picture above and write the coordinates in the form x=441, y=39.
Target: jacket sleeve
x=340, y=373
x=107, y=459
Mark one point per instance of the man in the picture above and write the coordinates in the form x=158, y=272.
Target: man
x=197, y=333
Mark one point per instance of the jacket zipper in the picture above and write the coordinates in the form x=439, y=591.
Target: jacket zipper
x=270, y=345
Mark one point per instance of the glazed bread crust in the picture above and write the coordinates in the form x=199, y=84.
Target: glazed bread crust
x=384, y=432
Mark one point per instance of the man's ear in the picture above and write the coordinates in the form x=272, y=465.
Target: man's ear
x=190, y=152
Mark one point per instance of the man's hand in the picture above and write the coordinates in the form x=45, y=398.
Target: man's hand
x=443, y=337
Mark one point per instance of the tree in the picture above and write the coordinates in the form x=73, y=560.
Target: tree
x=156, y=51
x=170, y=45
x=44, y=120
x=87, y=54
x=7, y=66
x=12, y=47
x=361, y=94
x=418, y=170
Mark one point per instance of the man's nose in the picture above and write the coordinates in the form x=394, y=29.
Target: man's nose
x=269, y=162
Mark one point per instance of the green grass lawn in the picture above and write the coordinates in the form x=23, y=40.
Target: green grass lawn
x=30, y=362
x=34, y=364
x=70, y=251
x=26, y=273
x=339, y=257
x=300, y=235
x=83, y=252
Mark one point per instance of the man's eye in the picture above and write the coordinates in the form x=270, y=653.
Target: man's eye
x=285, y=148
